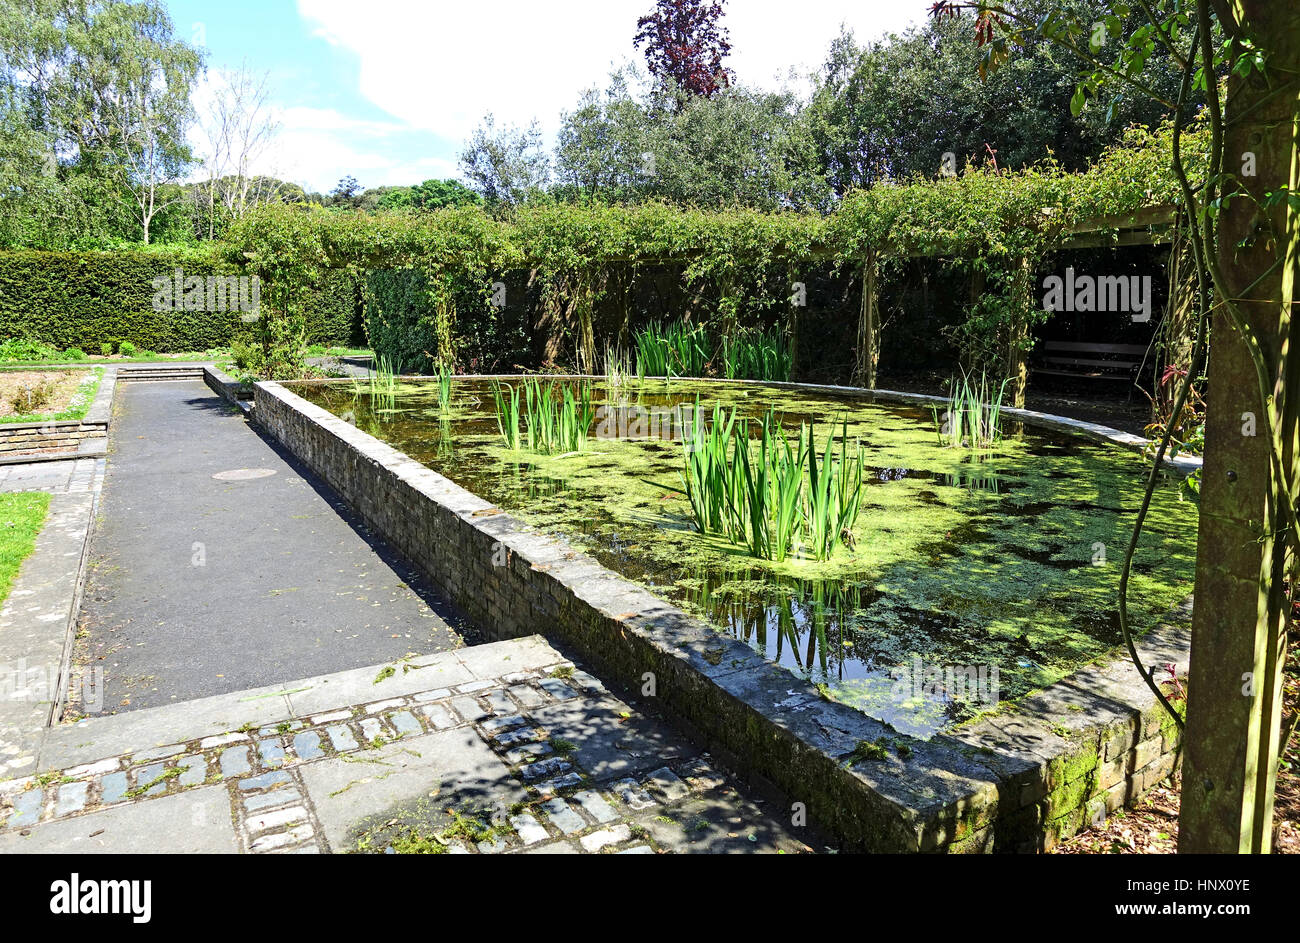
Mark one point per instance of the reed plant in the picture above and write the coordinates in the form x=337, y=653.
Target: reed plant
x=708, y=478
x=542, y=417
x=973, y=417
x=383, y=381
x=775, y=496
x=618, y=370
x=506, y=399
x=444, y=388
x=834, y=493
x=675, y=349
x=764, y=355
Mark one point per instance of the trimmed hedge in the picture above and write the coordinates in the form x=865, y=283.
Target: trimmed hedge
x=401, y=323
x=85, y=299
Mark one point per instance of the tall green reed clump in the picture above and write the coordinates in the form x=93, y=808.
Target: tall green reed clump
x=708, y=479
x=834, y=493
x=506, y=399
x=382, y=382
x=548, y=420
x=676, y=349
x=973, y=417
x=776, y=496
x=444, y=388
x=764, y=355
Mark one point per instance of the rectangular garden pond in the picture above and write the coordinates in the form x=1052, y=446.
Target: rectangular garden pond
x=942, y=673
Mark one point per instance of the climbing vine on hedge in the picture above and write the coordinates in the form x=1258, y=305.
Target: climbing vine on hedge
x=999, y=224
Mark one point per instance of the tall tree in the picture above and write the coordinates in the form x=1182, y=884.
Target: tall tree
x=685, y=43
x=346, y=193
x=505, y=165
x=429, y=195
x=108, y=86
x=739, y=147
x=240, y=126
x=896, y=106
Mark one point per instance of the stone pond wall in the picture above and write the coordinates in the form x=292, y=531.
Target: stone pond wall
x=1019, y=780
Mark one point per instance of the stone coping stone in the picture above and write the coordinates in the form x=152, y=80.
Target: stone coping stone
x=958, y=791
x=228, y=388
x=58, y=425
x=64, y=455
x=101, y=407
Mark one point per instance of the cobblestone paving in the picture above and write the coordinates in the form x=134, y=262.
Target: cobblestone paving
x=540, y=760
x=69, y=476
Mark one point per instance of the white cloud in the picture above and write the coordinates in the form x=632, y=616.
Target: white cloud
x=769, y=38
x=316, y=146
x=437, y=68
x=441, y=67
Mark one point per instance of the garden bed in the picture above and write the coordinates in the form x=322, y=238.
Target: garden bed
x=49, y=413
x=31, y=395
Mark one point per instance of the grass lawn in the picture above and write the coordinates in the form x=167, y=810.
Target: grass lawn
x=22, y=515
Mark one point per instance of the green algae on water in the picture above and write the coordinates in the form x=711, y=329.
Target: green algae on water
x=1007, y=560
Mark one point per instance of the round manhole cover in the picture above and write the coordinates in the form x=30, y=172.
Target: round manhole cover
x=244, y=474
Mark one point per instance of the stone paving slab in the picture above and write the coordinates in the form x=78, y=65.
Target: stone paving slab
x=606, y=744
x=414, y=770
x=67, y=476
x=195, y=822
x=35, y=626
x=512, y=760
x=405, y=676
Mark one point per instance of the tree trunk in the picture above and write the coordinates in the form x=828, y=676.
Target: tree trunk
x=1238, y=629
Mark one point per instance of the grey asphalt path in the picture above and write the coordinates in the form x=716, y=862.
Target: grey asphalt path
x=201, y=586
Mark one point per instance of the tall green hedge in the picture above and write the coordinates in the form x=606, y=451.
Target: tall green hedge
x=402, y=322
x=85, y=299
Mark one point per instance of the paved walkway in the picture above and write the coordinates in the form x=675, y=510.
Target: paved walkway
x=506, y=747
x=218, y=564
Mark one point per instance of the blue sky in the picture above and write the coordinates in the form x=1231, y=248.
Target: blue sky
x=388, y=90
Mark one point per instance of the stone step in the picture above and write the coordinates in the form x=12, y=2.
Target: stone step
x=135, y=376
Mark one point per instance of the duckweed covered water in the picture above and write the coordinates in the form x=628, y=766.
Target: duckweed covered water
x=968, y=581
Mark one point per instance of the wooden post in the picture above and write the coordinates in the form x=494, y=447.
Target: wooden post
x=1178, y=333
x=794, y=325
x=1238, y=626
x=868, y=353
x=1017, y=357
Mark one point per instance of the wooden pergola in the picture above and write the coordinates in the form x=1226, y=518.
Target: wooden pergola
x=1149, y=226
